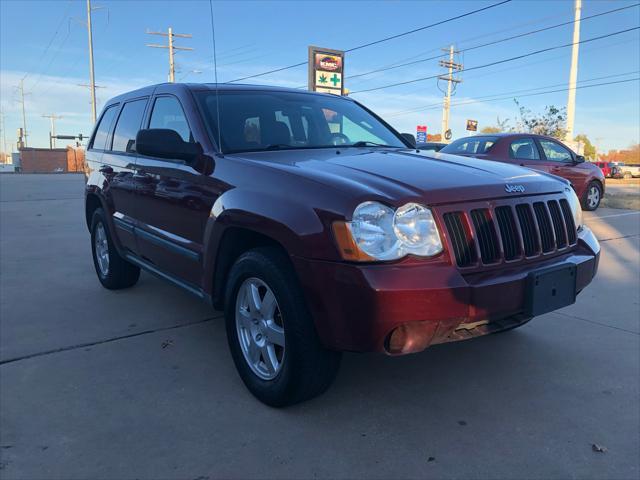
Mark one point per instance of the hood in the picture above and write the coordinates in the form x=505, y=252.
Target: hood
x=434, y=178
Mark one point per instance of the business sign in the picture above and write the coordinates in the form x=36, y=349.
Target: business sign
x=421, y=134
x=472, y=125
x=326, y=70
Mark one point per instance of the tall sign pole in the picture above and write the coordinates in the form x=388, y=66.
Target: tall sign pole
x=326, y=70
x=92, y=80
x=24, y=116
x=573, y=74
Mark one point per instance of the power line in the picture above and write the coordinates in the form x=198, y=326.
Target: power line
x=55, y=34
x=498, y=62
x=433, y=106
x=494, y=42
x=376, y=42
x=509, y=97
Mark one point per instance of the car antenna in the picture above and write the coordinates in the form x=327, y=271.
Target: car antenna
x=215, y=73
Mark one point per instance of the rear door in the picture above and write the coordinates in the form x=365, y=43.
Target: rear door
x=173, y=199
x=524, y=151
x=114, y=175
x=119, y=161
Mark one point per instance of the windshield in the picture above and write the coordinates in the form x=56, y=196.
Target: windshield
x=470, y=145
x=263, y=120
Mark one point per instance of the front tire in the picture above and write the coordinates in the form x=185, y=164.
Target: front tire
x=592, y=196
x=113, y=271
x=271, y=335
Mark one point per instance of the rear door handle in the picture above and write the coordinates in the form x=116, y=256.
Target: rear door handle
x=142, y=177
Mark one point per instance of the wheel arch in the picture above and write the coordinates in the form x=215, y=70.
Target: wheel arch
x=235, y=241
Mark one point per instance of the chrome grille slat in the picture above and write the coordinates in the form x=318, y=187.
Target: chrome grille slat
x=462, y=246
x=527, y=225
x=558, y=224
x=509, y=230
x=568, y=221
x=489, y=251
x=544, y=224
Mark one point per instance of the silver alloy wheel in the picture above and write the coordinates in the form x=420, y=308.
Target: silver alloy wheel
x=593, y=196
x=101, y=249
x=260, y=328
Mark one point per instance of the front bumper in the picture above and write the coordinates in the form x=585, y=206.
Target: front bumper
x=355, y=307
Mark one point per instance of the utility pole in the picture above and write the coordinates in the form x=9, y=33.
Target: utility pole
x=450, y=65
x=3, y=127
x=24, y=116
x=171, y=47
x=573, y=74
x=92, y=80
x=52, y=134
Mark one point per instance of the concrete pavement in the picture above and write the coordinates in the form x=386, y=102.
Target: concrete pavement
x=139, y=383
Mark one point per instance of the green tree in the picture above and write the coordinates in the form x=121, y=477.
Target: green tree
x=552, y=122
x=589, y=150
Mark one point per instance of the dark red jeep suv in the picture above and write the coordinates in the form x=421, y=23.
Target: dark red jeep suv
x=540, y=153
x=317, y=228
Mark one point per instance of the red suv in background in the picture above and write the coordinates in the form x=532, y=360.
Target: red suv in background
x=540, y=153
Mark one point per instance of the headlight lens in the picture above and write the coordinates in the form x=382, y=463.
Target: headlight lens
x=576, y=208
x=385, y=234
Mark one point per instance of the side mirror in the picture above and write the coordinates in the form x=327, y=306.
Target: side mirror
x=166, y=143
x=409, y=138
x=580, y=159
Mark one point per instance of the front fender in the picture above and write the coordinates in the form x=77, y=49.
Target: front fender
x=296, y=226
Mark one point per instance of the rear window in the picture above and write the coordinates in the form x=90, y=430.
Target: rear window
x=470, y=145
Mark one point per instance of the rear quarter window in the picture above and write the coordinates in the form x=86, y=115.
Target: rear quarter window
x=99, y=141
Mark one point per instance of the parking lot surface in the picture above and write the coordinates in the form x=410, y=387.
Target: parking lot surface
x=139, y=383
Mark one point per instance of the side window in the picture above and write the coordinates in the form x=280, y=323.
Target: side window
x=168, y=113
x=524, y=149
x=129, y=121
x=102, y=132
x=555, y=152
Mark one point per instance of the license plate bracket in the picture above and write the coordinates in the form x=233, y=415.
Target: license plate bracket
x=550, y=289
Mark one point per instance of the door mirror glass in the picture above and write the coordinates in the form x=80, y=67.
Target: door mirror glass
x=166, y=143
x=410, y=138
x=580, y=159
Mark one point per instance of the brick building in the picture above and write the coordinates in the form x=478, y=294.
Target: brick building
x=51, y=160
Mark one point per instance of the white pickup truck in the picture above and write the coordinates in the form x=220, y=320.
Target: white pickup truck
x=629, y=171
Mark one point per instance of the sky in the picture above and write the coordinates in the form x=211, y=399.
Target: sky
x=45, y=42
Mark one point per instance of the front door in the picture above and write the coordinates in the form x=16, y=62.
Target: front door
x=173, y=202
x=563, y=164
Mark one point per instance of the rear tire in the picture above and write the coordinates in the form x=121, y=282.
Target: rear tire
x=592, y=196
x=113, y=271
x=278, y=375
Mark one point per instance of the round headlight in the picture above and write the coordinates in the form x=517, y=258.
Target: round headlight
x=415, y=227
x=372, y=229
x=387, y=234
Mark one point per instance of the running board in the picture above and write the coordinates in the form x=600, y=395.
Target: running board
x=165, y=276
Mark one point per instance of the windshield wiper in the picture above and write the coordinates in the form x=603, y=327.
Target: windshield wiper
x=277, y=146
x=366, y=143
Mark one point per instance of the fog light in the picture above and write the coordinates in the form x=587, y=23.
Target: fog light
x=411, y=337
